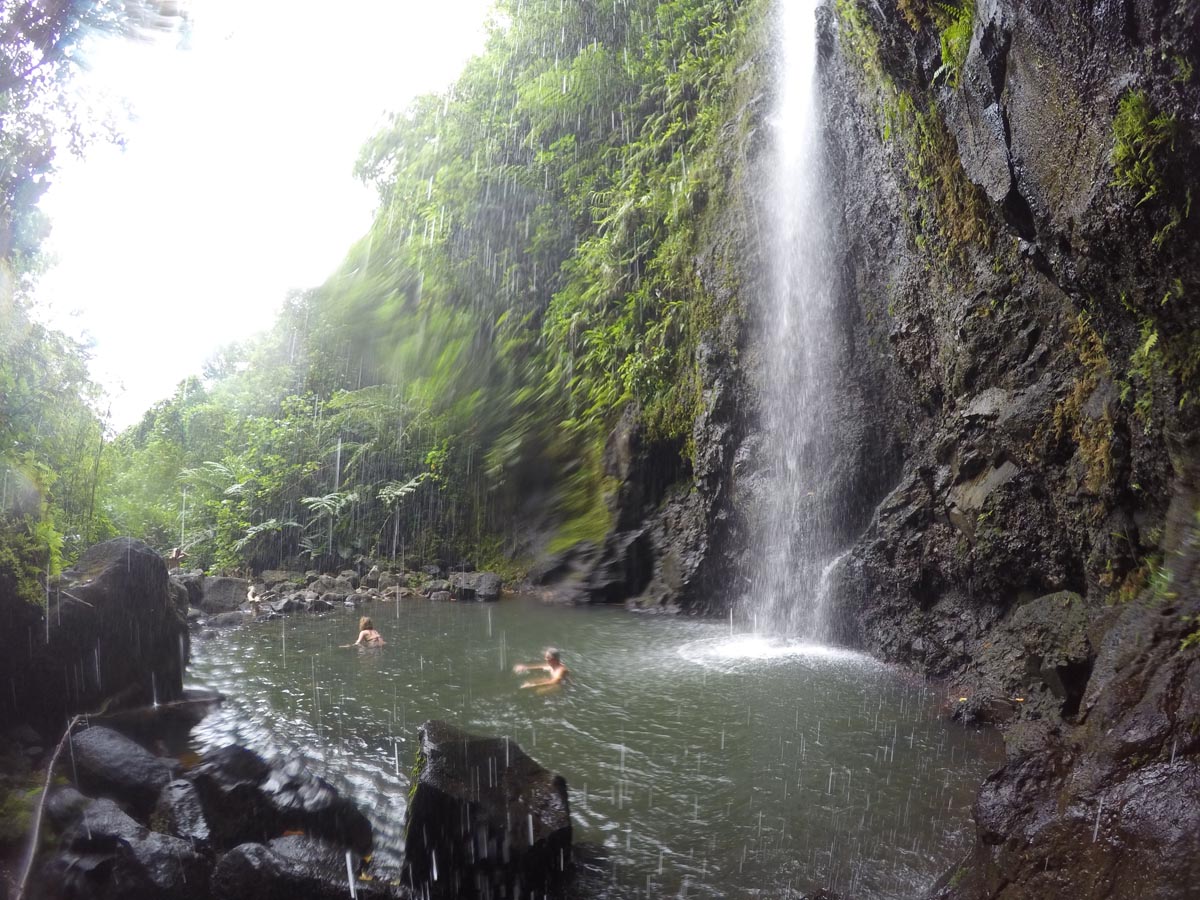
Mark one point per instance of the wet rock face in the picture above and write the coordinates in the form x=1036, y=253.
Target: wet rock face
x=114, y=637
x=1036, y=540
x=1003, y=363
x=180, y=813
x=484, y=820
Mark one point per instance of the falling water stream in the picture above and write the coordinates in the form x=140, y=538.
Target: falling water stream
x=797, y=312
x=701, y=763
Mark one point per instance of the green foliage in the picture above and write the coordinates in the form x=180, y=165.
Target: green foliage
x=955, y=23
x=1093, y=436
x=529, y=275
x=1166, y=359
x=16, y=812
x=52, y=463
x=1184, y=69
x=51, y=441
x=1141, y=138
x=1192, y=638
x=949, y=205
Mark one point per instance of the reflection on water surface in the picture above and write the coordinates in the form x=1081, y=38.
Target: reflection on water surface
x=705, y=763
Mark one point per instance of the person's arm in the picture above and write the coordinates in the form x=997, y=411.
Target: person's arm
x=556, y=675
x=526, y=667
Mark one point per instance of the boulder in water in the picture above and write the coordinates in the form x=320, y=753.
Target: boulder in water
x=228, y=619
x=282, y=577
x=482, y=586
x=193, y=583
x=224, y=594
x=434, y=586
x=388, y=580
x=484, y=820
x=247, y=800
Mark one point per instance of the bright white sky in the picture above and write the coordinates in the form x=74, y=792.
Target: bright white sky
x=235, y=183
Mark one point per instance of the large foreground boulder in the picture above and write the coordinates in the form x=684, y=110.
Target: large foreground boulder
x=484, y=819
x=247, y=800
x=106, y=855
x=113, y=638
x=108, y=762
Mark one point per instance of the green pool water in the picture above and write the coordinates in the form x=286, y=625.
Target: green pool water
x=701, y=762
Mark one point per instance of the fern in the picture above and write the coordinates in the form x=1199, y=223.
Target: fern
x=1141, y=137
x=956, y=24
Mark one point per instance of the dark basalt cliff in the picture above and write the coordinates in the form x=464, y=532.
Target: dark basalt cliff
x=1028, y=305
x=1019, y=418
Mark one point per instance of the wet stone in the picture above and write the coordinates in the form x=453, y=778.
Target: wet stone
x=179, y=813
x=245, y=800
x=65, y=805
x=107, y=855
x=485, y=819
x=291, y=868
x=110, y=763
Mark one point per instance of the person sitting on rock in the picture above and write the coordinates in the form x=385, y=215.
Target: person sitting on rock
x=367, y=635
x=553, y=664
x=175, y=558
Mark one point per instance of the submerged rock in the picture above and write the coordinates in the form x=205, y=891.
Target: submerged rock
x=484, y=819
x=228, y=619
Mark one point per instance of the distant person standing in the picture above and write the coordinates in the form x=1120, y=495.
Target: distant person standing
x=553, y=664
x=175, y=558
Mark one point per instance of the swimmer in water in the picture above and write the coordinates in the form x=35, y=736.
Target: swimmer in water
x=367, y=635
x=553, y=664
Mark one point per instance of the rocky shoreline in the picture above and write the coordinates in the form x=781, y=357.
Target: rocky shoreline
x=140, y=818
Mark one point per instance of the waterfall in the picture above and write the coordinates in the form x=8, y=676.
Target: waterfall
x=797, y=311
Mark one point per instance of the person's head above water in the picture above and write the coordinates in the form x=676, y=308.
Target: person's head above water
x=551, y=656
x=365, y=624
